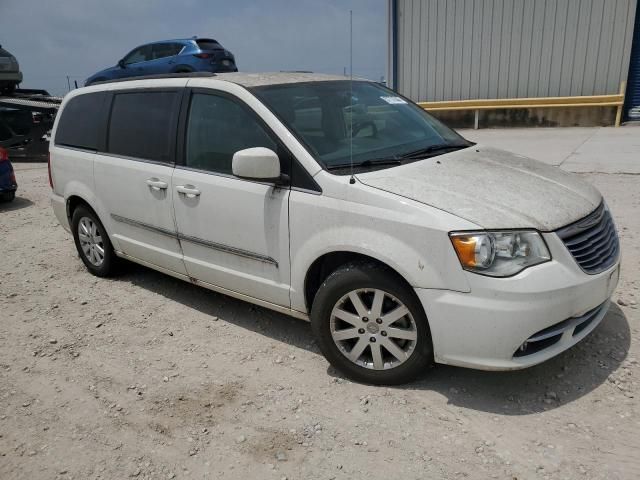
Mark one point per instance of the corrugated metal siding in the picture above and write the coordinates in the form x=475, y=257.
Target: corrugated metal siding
x=465, y=49
x=632, y=107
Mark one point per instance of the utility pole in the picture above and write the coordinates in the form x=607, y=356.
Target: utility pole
x=68, y=84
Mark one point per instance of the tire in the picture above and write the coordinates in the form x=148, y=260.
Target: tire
x=94, y=248
x=7, y=197
x=341, y=332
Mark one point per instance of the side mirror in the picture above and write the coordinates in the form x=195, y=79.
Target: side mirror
x=257, y=163
x=121, y=63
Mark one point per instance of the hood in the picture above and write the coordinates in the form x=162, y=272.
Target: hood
x=102, y=73
x=491, y=188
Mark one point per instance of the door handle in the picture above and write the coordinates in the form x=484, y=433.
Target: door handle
x=188, y=190
x=157, y=184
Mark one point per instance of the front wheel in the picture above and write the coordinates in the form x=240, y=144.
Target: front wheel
x=371, y=326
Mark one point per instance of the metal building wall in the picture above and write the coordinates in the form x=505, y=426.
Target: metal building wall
x=632, y=104
x=466, y=49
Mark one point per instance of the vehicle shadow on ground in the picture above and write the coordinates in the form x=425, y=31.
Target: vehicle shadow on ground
x=550, y=385
x=18, y=204
x=554, y=383
x=272, y=324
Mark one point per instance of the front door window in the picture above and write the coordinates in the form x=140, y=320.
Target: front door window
x=141, y=54
x=218, y=127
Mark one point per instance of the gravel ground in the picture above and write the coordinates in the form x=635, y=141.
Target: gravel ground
x=144, y=376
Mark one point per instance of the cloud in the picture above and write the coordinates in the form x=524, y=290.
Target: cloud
x=53, y=39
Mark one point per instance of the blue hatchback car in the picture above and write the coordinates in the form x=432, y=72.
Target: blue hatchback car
x=8, y=184
x=170, y=56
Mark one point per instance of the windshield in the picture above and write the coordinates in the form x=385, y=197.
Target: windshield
x=386, y=128
x=208, y=45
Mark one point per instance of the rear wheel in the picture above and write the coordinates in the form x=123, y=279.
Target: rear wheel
x=92, y=243
x=371, y=326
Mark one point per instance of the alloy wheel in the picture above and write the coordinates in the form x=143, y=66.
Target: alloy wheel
x=91, y=241
x=373, y=329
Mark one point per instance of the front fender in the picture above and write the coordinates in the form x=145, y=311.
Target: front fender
x=422, y=254
x=106, y=74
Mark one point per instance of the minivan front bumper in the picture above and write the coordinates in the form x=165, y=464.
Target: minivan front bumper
x=517, y=322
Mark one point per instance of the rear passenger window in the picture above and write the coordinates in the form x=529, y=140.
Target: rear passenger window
x=163, y=50
x=81, y=123
x=142, y=125
x=217, y=128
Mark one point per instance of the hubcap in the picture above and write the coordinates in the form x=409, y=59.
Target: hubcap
x=386, y=343
x=373, y=328
x=91, y=241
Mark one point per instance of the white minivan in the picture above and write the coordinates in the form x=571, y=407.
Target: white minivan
x=341, y=203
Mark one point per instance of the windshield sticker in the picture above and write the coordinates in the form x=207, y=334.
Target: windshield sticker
x=393, y=100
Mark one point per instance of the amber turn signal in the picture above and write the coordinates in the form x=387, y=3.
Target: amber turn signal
x=466, y=249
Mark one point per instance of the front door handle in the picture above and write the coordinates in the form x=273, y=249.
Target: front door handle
x=188, y=190
x=157, y=184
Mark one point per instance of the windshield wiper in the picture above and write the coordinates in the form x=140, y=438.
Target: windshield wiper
x=400, y=159
x=367, y=163
x=439, y=149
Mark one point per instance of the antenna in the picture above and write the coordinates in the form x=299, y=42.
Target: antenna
x=352, y=180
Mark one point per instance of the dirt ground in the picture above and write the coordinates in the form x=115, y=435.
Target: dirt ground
x=144, y=376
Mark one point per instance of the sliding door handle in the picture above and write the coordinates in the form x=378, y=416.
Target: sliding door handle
x=188, y=191
x=156, y=184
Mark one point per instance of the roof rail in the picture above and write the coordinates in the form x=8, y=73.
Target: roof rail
x=159, y=76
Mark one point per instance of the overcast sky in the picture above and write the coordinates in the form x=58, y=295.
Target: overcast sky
x=56, y=38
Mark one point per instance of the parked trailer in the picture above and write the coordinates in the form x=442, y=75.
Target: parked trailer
x=26, y=117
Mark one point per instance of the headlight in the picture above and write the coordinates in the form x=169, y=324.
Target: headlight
x=499, y=254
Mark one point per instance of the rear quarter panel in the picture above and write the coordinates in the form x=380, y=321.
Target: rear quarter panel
x=72, y=175
x=72, y=170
